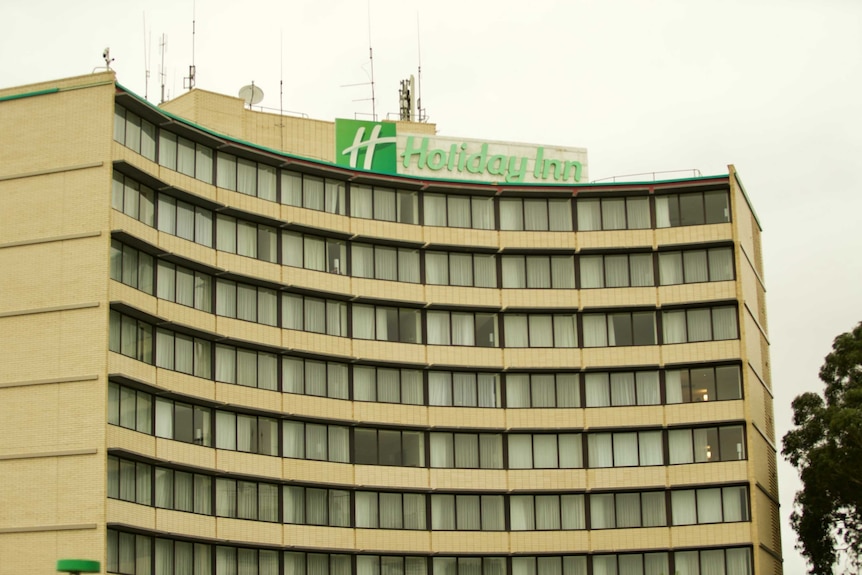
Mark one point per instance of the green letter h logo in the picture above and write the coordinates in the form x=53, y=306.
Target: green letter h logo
x=377, y=152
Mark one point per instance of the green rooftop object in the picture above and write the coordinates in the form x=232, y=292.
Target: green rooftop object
x=78, y=566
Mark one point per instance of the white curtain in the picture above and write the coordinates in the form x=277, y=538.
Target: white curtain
x=294, y=439
x=724, y=323
x=673, y=326
x=362, y=260
x=292, y=371
x=589, y=215
x=695, y=266
x=623, y=388
x=699, y=325
x=592, y=272
x=520, y=451
x=334, y=196
x=680, y=446
x=662, y=211
x=384, y=204
x=673, y=386
x=648, y=388
x=438, y=327
x=543, y=390
x=464, y=390
x=408, y=265
x=485, y=270
x=442, y=450
x=538, y=272
x=246, y=367
x=414, y=511
x=443, y=512
x=437, y=268
x=560, y=211
x=246, y=302
x=203, y=227
x=468, y=513
x=638, y=213
x=363, y=322
x=641, y=270
x=572, y=511
x=185, y=221
x=312, y=193
x=735, y=504
x=360, y=201
x=488, y=386
x=463, y=329
x=315, y=441
x=625, y=449
x=683, y=507
x=568, y=390
x=226, y=298
x=650, y=448
x=653, y=505
x=515, y=326
x=366, y=509
x=460, y=269
x=267, y=371
x=225, y=364
x=291, y=249
x=617, y=270
x=628, y=510
x=435, y=210
x=490, y=451
x=440, y=388
x=466, y=451
x=602, y=512
x=411, y=387
x=720, y=264
x=510, y=214
x=571, y=451
x=597, y=390
x=521, y=513
x=709, y=505
x=517, y=390
x=385, y=263
x=535, y=214
x=291, y=188
x=563, y=272
x=595, y=330
x=459, y=211
x=315, y=315
x=364, y=384
x=483, y=213
x=339, y=444
x=614, y=214
x=388, y=386
x=336, y=378
x=547, y=512
x=545, y=451
x=600, y=450
x=514, y=272
x=246, y=243
x=712, y=562
x=314, y=252
x=739, y=561
x=391, y=511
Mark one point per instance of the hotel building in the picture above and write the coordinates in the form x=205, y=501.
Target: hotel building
x=231, y=343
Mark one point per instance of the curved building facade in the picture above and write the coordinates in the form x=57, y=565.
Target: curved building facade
x=218, y=355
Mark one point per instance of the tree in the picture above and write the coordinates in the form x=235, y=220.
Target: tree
x=826, y=449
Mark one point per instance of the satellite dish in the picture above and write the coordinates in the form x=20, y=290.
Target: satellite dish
x=251, y=94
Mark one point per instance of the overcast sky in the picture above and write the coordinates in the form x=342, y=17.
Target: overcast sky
x=772, y=86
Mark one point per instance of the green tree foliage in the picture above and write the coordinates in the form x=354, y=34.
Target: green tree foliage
x=826, y=449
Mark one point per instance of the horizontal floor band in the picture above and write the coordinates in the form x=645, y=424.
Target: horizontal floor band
x=52, y=171
x=72, y=379
x=38, y=528
x=44, y=454
x=34, y=242
x=70, y=307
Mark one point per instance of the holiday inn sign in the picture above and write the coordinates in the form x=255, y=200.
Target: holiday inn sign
x=376, y=147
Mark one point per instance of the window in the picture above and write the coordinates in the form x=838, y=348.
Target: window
x=706, y=444
x=241, y=432
x=246, y=238
x=246, y=500
x=129, y=480
x=619, y=329
x=540, y=330
x=467, y=512
x=646, y=563
x=704, y=324
x=183, y=422
x=314, y=506
x=613, y=213
x=693, y=266
x=132, y=267
x=538, y=272
x=567, y=565
x=389, y=447
x=313, y=252
x=134, y=132
x=623, y=510
x=133, y=199
x=185, y=286
x=460, y=269
x=313, y=193
x=185, y=220
x=703, y=384
x=387, y=323
x=464, y=389
x=546, y=512
x=543, y=390
x=246, y=302
x=384, y=204
x=467, y=450
x=625, y=449
x=384, y=262
x=316, y=441
x=726, y=561
x=616, y=270
x=537, y=214
x=183, y=353
x=247, y=367
x=387, y=385
x=462, y=328
x=622, y=388
x=381, y=510
x=310, y=377
x=130, y=408
x=183, y=491
x=711, y=505
x=131, y=337
x=246, y=176
x=454, y=211
x=692, y=208
x=545, y=451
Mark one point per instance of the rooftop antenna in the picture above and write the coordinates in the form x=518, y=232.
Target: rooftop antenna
x=189, y=81
x=371, y=61
x=163, y=47
x=106, y=54
x=420, y=111
x=146, y=61
x=251, y=94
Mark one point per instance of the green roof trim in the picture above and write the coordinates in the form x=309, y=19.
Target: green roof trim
x=29, y=94
x=283, y=154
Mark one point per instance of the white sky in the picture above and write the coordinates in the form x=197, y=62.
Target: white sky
x=772, y=86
